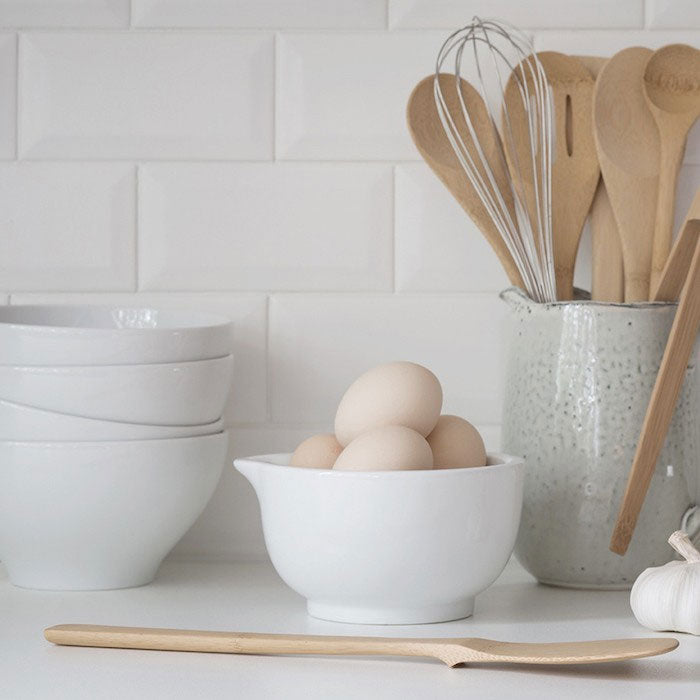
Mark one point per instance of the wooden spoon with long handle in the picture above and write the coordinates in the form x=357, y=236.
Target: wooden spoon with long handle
x=429, y=136
x=676, y=270
x=608, y=282
x=575, y=170
x=666, y=388
x=628, y=151
x=672, y=91
x=450, y=651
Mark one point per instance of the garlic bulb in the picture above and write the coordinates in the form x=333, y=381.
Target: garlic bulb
x=667, y=598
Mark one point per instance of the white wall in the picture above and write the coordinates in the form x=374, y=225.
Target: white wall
x=251, y=157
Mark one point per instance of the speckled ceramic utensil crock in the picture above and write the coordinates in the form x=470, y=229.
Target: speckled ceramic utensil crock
x=579, y=378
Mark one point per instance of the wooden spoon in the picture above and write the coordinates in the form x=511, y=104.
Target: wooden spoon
x=676, y=270
x=450, y=651
x=665, y=393
x=628, y=151
x=672, y=90
x=432, y=143
x=575, y=170
x=608, y=282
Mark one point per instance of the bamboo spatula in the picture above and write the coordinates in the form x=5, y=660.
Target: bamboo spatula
x=450, y=651
x=628, y=151
x=429, y=136
x=575, y=170
x=608, y=282
x=672, y=91
x=669, y=379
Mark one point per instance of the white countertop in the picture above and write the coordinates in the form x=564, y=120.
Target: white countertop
x=250, y=597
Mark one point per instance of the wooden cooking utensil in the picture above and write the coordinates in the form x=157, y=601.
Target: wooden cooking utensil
x=450, y=651
x=608, y=282
x=628, y=151
x=676, y=270
x=432, y=143
x=672, y=91
x=663, y=398
x=575, y=170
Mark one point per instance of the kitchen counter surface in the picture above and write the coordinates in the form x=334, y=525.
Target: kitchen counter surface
x=251, y=597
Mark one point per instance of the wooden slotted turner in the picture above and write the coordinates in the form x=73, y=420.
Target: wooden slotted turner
x=450, y=651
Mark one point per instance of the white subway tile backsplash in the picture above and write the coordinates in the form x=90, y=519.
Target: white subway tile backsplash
x=440, y=14
x=287, y=226
x=8, y=96
x=673, y=14
x=248, y=400
x=438, y=247
x=67, y=226
x=309, y=14
x=64, y=13
x=319, y=344
x=688, y=185
x=146, y=95
x=343, y=96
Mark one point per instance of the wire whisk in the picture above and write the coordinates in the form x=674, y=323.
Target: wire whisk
x=506, y=157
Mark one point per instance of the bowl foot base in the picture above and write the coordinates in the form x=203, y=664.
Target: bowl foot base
x=380, y=615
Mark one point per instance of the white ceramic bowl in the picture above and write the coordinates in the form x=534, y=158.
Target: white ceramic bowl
x=396, y=547
x=178, y=393
x=25, y=423
x=97, y=515
x=89, y=335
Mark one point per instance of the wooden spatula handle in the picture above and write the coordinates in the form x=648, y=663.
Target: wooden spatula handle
x=661, y=406
x=228, y=642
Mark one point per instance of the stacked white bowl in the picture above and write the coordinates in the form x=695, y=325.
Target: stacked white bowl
x=111, y=439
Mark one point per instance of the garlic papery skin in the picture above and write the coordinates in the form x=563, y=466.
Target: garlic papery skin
x=667, y=598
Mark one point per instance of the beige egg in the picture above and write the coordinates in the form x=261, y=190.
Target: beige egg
x=388, y=448
x=456, y=443
x=317, y=452
x=398, y=393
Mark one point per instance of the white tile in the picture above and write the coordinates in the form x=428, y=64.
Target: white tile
x=438, y=247
x=608, y=43
x=248, y=400
x=343, y=95
x=245, y=226
x=319, y=344
x=64, y=13
x=306, y=14
x=673, y=14
x=412, y=14
x=67, y=226
x=8, y=95
x=146, y=95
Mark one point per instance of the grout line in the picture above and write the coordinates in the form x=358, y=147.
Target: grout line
x=394, y=260
x=130, y=24
x=274, y=97
x=268, y=383
x=386, y=14
x=137, y=236
x=18, y=95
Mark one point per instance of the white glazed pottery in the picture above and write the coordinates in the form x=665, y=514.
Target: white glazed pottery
x=88, y=335
x=396, y=547
x=98, y=515
x=177, y=393
x=26, y=423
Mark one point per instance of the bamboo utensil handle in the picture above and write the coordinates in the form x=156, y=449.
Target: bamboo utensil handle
x=450, y=651
x=678, y=263
x=661, y=406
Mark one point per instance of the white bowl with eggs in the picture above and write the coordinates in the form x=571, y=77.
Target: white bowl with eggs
x=388, y=547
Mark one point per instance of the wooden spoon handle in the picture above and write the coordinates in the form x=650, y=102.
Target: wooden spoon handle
x=661, y=406
x=229, y=642
x=676, y=269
